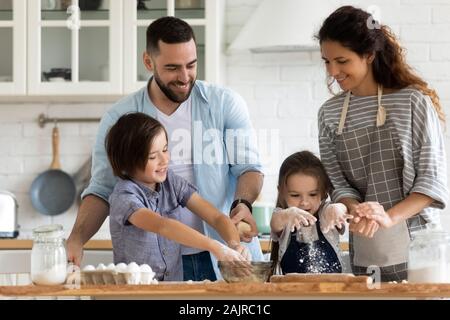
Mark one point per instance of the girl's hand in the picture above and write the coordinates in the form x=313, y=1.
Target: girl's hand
x=296, y=218
x=335, y=215
x=374, y=211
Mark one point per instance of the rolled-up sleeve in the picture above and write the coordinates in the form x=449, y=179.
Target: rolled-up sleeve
x=103, y=180
x=341, y=187
x=429, y=158
x=123, y=205
x=239, y=136
x=181, y=188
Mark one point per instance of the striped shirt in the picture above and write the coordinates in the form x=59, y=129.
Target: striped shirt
x=417, y=134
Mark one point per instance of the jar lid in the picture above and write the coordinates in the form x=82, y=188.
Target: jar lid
x=49, y=231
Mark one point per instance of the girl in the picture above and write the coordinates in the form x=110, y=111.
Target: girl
x=380, y=141
x=304, y=225
x=143, y=218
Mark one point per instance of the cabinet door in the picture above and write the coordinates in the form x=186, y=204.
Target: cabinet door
x=13, y=47
x=74, y=47
x=206, y=18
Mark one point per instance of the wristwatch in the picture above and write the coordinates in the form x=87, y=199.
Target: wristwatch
x=238, y=201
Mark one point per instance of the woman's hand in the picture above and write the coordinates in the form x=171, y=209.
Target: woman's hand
x=335, y=215
x=363, y=226
x=374, y=211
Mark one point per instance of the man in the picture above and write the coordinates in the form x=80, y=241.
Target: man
x=205, y=124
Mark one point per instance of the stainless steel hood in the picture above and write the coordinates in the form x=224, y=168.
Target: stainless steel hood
x=283, y=25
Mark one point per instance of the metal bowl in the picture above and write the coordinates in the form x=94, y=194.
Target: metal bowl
x=255, y=271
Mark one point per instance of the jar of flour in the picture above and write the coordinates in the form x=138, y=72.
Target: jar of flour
x=48, y=256
x=429, y=256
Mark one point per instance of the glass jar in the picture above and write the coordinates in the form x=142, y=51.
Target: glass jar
x=48, y=256
x=429, y=257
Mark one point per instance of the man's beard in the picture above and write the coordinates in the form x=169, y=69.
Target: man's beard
x=172, y=96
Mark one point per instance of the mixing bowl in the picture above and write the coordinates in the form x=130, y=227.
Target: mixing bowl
x=255, y=271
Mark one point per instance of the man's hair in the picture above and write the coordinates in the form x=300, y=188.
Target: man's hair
x=168, y=30
x=128, y=143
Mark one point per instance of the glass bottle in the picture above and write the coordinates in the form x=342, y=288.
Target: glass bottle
x=429, y=255
x=48, y=256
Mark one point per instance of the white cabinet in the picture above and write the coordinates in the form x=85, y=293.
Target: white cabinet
x=13, y=47
x=81, y=47
x=73, y=51
x=206, y=18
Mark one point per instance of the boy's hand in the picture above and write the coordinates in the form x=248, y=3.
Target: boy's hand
x=296, y=218
x=243, y=250
x=335, y=215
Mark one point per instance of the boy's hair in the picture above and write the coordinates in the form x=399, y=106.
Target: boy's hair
x=307, y=163
x=168, y=30
x=128, y=143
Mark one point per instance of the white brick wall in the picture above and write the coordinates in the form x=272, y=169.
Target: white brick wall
x=26, y=152
x=285, y=90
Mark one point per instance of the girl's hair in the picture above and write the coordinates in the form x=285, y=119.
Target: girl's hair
x=307, y=163
x=128, y=143
x=356, y=30
x=302, y=162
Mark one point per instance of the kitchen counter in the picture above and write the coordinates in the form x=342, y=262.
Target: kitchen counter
x=223, y=290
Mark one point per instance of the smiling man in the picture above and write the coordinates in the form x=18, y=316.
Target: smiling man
x=202, y=122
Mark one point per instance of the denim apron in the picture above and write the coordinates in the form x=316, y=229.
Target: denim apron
x=310, y=257
x=372, y=163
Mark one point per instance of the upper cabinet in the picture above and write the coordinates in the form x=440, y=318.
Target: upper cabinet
x=95, y=47
x=13, y=15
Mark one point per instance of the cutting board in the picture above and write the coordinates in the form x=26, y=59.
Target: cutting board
x=325, y=277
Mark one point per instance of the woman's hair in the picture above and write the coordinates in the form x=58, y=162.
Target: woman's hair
x=307, y=163
x=357, y=30
x=129, y=141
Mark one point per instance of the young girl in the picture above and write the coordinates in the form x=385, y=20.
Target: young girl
x=380, y=141
x=305, y=227
x=143, y=218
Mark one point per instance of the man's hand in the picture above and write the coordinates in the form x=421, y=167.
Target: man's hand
x=242, y=213
x=74, y=251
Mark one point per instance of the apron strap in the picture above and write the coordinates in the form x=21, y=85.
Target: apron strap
x=344, y=113
x=381, y=112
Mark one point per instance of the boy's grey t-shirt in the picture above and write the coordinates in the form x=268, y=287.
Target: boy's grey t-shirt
x=131, y=243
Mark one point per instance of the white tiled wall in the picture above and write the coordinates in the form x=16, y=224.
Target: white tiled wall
x=284, y=92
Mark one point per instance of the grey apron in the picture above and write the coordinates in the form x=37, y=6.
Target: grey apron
x=372, y=164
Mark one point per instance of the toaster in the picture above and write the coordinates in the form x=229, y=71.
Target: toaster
x=8, y=215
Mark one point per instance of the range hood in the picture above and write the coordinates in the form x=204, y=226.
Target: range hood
x=283, y=25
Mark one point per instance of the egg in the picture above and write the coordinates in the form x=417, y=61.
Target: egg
x=145, y=268
x=101, y=266
x=89, y=267
x=133, y=267
x=111, y=267
x=121, y=267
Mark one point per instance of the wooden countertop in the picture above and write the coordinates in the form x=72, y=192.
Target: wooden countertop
x=221, y=289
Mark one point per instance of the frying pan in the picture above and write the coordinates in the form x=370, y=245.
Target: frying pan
x=53, y=191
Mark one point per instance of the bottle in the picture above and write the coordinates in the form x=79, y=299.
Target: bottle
x=429, y=255
x=48, y=256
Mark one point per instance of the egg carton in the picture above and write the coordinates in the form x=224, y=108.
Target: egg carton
x=99, y=277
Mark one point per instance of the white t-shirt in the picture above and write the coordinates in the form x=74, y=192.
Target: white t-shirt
x=178, y=126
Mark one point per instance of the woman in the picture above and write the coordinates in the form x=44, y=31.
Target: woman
x=380, y=141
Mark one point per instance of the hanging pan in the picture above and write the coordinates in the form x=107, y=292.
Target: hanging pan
x=53, y=191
